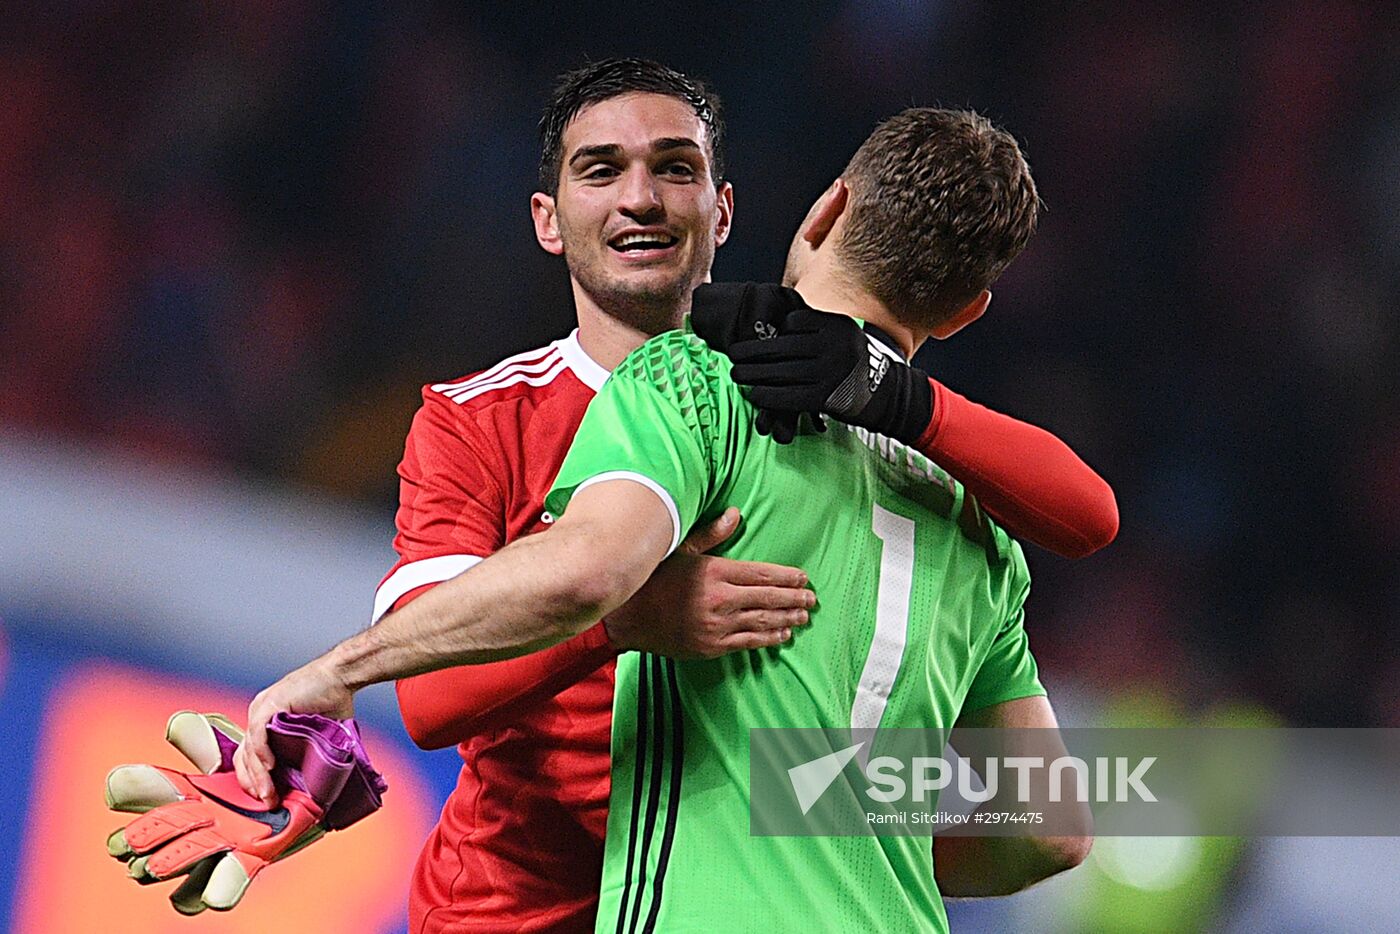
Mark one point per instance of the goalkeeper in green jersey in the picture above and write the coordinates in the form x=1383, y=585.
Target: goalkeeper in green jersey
x=920, y=614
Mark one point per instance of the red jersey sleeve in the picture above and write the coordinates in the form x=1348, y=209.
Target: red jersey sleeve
x=452, y=514
x=1026, y=478
x=452, y=511
x=447, y=707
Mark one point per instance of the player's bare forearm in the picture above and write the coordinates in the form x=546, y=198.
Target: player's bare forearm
x=534, y=593
x=981, y=867
x=531, y=594
x=502, y=608
x=970, y=867
x=693, y=606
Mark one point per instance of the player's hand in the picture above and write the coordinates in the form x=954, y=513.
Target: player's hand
x=789, y=360
x=827, y=362
x=312, y=688
x=727, y=313
x=700, y=606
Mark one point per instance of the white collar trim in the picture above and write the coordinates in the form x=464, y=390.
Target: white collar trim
x=588, y=370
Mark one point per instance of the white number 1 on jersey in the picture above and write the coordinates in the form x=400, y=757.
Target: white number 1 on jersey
x=896, y=534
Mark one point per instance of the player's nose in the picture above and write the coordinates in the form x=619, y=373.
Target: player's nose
x=639, y=196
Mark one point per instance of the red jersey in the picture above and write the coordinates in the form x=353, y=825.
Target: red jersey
x=519, y=845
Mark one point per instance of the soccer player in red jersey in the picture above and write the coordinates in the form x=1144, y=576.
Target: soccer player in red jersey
x=632, y=196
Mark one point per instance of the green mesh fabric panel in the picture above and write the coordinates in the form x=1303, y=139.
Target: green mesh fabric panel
x=682, y=367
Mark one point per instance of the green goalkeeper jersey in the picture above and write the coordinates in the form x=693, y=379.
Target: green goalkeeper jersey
x=919, y=618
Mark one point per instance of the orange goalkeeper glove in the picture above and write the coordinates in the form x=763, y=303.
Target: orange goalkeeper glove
x=203, y=825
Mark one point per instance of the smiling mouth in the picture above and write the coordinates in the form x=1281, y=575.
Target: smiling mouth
x=642, y=242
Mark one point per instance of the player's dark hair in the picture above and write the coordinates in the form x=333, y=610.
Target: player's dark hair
x=941, y=202
x=600, y=81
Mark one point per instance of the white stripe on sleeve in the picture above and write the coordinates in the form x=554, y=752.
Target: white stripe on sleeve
x=417, y=573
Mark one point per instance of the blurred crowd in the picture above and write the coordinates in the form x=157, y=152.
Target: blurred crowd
x=245, y=235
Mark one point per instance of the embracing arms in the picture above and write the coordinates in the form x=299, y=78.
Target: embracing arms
x=534, y=593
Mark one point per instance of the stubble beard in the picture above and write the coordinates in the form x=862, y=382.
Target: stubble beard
x=651, y=308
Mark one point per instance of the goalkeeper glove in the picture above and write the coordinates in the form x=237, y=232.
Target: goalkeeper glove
x=205, y=827
x=790, y=359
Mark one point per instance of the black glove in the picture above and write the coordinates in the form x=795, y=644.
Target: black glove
x=814, y=362
x=730, y=312
x=725, y=312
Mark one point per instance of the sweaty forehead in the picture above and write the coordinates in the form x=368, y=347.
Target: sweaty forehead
x=634, y=121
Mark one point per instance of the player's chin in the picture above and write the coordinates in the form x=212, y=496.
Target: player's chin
x=652, y=305
x=660, y=279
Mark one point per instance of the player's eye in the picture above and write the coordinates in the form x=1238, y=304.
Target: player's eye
x=599, y=172
x=679, y=170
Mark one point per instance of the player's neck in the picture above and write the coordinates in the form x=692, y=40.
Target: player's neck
x=824, y=289
x=603, y=337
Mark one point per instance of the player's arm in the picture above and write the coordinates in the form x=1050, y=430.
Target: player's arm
x=1005, y=714
x=1027, y=478
x=966, y=866
x=452, y=512
x=535, y=592
x=792, y=359
x=694, y=606
x=447, y=707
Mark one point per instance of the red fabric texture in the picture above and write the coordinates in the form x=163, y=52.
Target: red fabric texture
x=1025, y=477
x=441, y=707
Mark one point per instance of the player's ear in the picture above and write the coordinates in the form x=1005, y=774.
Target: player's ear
x=968, y=314
x=724, y=209
x=546, y=218
x=827, y=210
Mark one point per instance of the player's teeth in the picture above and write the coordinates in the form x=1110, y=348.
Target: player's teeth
x=648, y=240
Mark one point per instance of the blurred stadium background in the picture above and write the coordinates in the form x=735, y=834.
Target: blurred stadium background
x=235, y=239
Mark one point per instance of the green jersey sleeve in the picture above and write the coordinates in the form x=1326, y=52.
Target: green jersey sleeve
x=1008, y=672
x=654, y=421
